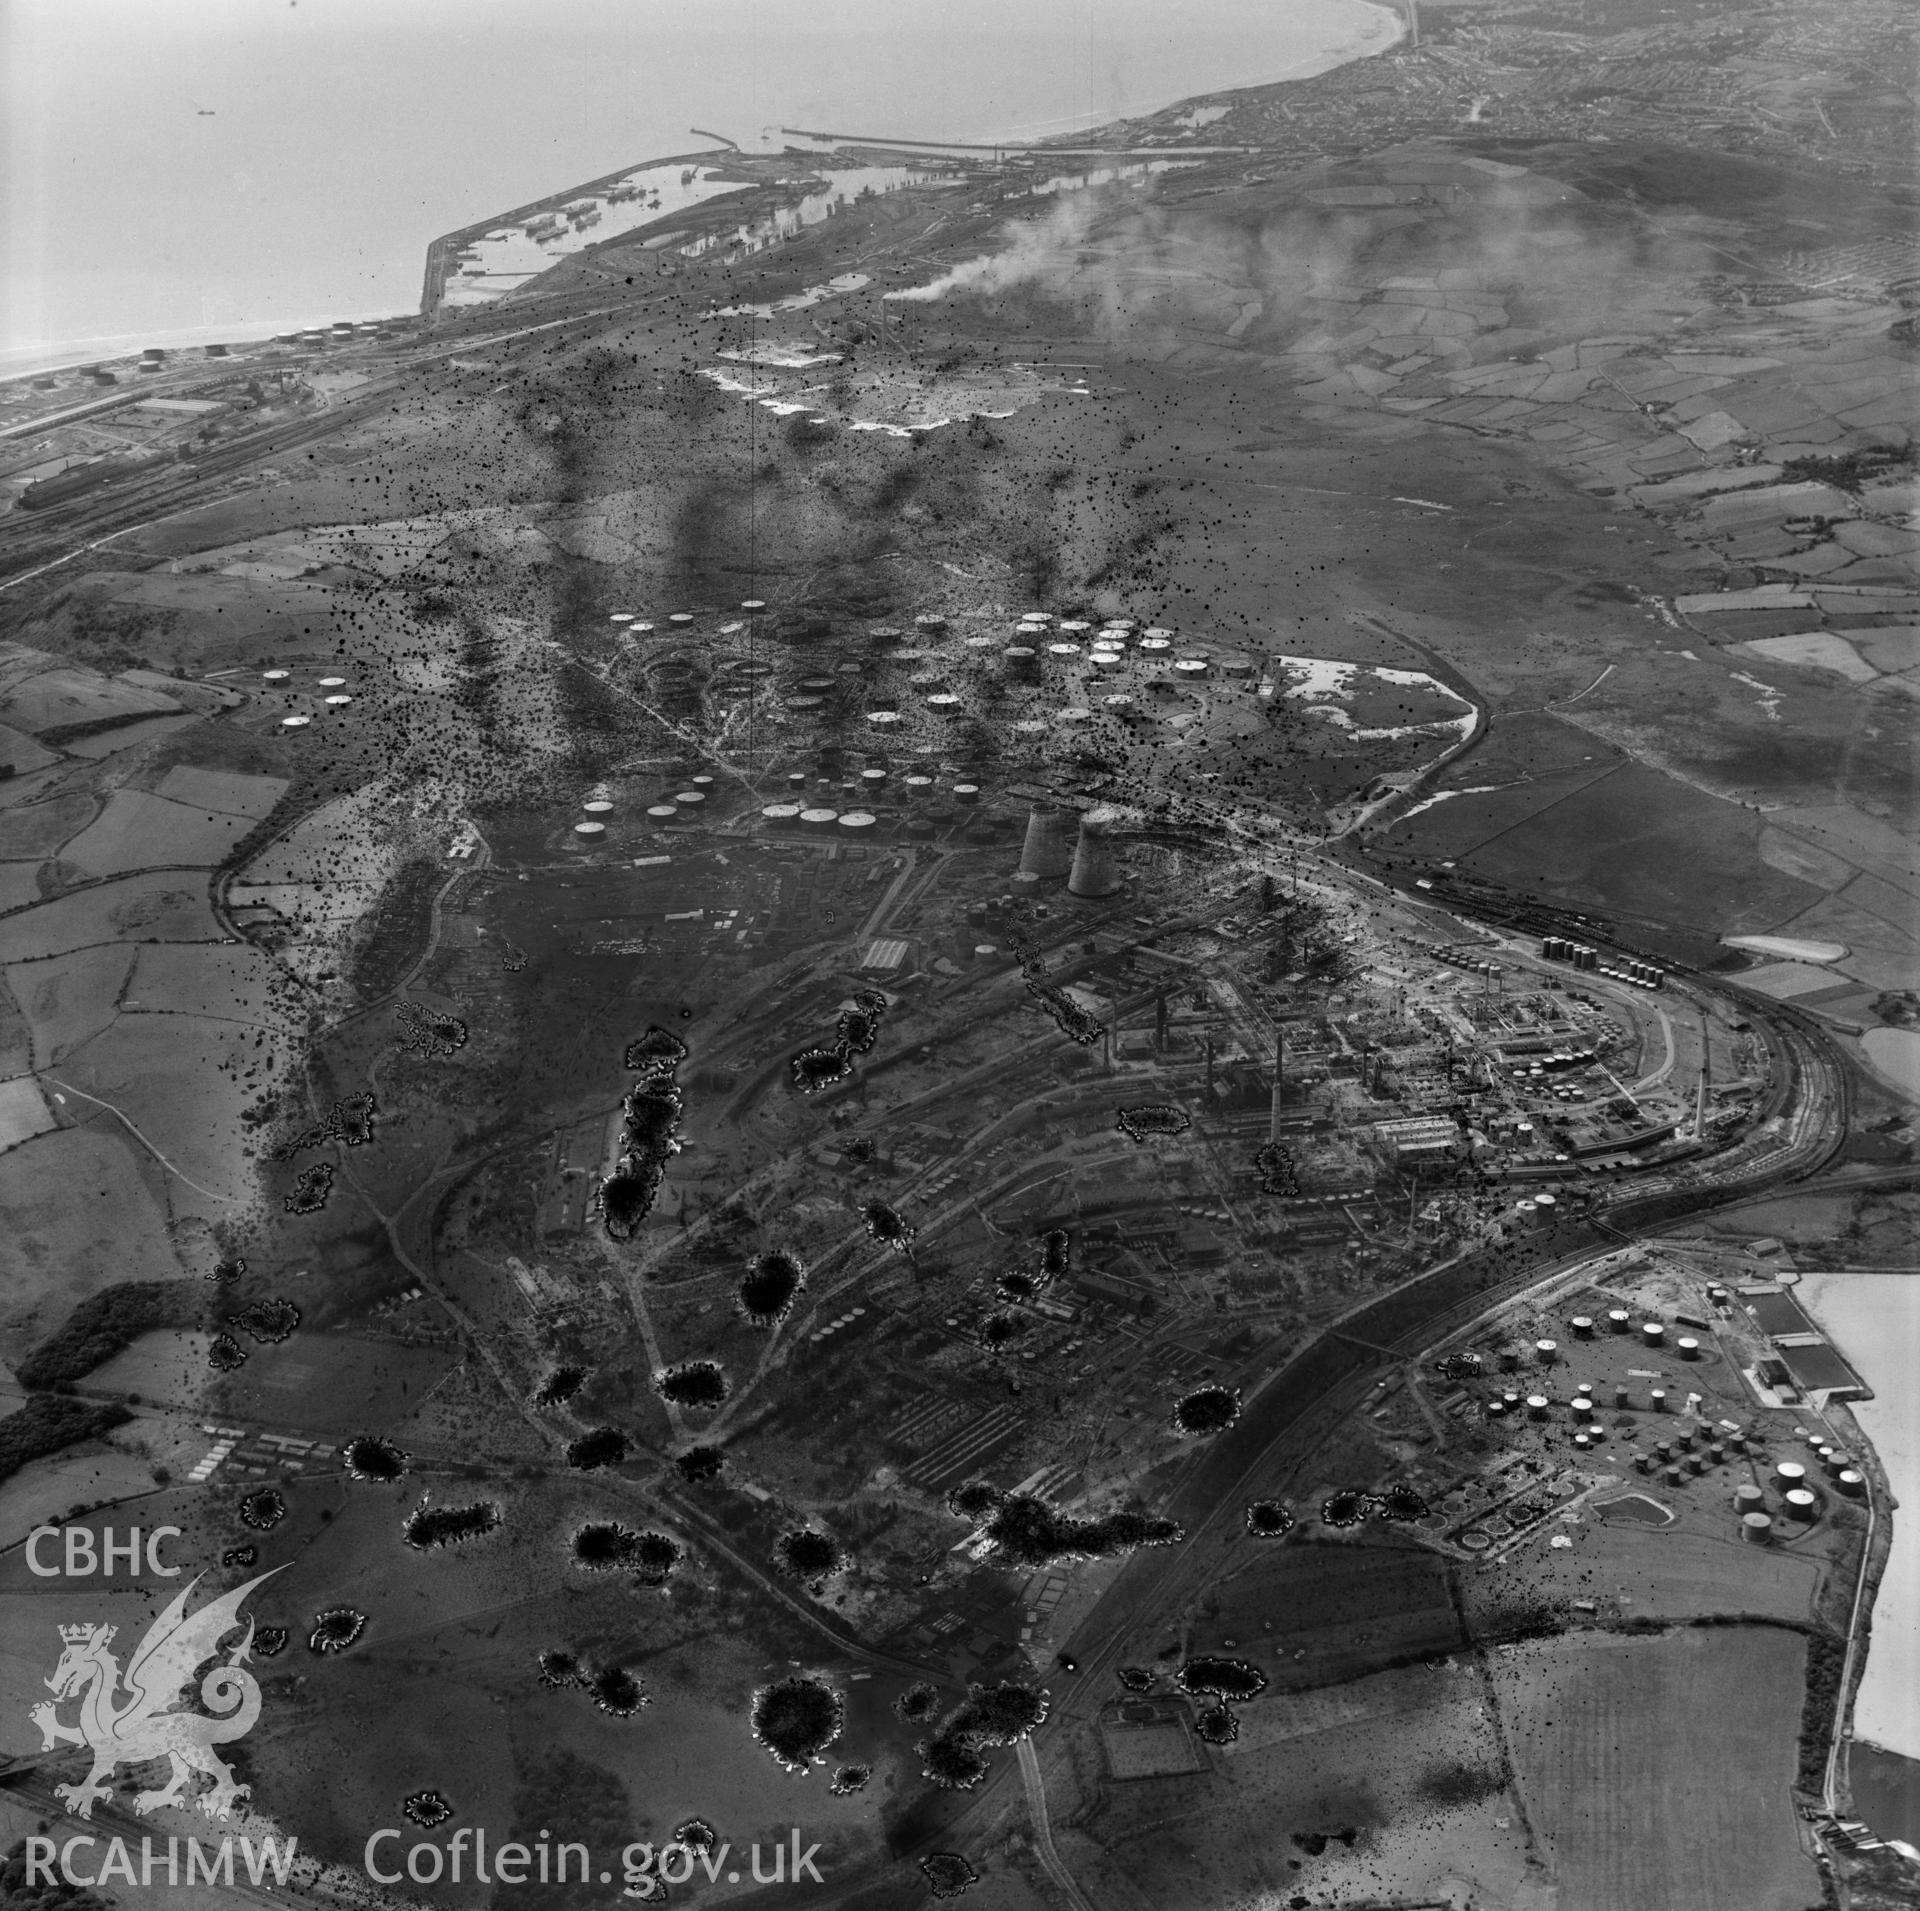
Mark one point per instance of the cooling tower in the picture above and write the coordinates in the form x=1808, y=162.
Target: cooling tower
x=1048, y=850
x=1094, y=873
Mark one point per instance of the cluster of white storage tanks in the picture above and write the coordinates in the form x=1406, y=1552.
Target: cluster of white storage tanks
x=1583, y=956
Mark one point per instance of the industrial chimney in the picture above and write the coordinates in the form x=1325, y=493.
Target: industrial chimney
x=1094, y=873
x=1048, y=850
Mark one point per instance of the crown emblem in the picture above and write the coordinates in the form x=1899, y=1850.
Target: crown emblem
x=76, y=1635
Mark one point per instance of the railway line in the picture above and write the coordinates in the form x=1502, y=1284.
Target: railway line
x=32, y=542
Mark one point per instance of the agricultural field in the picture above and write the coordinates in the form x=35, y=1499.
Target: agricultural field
x=1654, y=1770
x=83, y=1212
x=230, y=791
x=235, y=984
x=139, y=831
x=16, y=1037
x=19, y=884
x=126, y=737
x=184, y=1081
x=23, y=1111
x=157, y=906
x=41, y=692
x=25, y=758
x=69, y=1001
x=46, y=1491
x=1385, y=1789
x=38, y=829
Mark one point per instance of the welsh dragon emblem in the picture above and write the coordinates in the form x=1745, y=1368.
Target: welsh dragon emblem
x=127, y=1720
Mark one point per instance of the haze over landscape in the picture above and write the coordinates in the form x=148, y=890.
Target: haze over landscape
x=1037, y=1022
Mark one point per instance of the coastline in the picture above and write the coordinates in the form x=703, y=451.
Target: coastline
x=1874, y=1319
x=35, y=361
x=1378, y=26
x=1122, y=133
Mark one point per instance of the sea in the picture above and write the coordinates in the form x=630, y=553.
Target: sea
x=1874, y=1319
x=227, y=169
